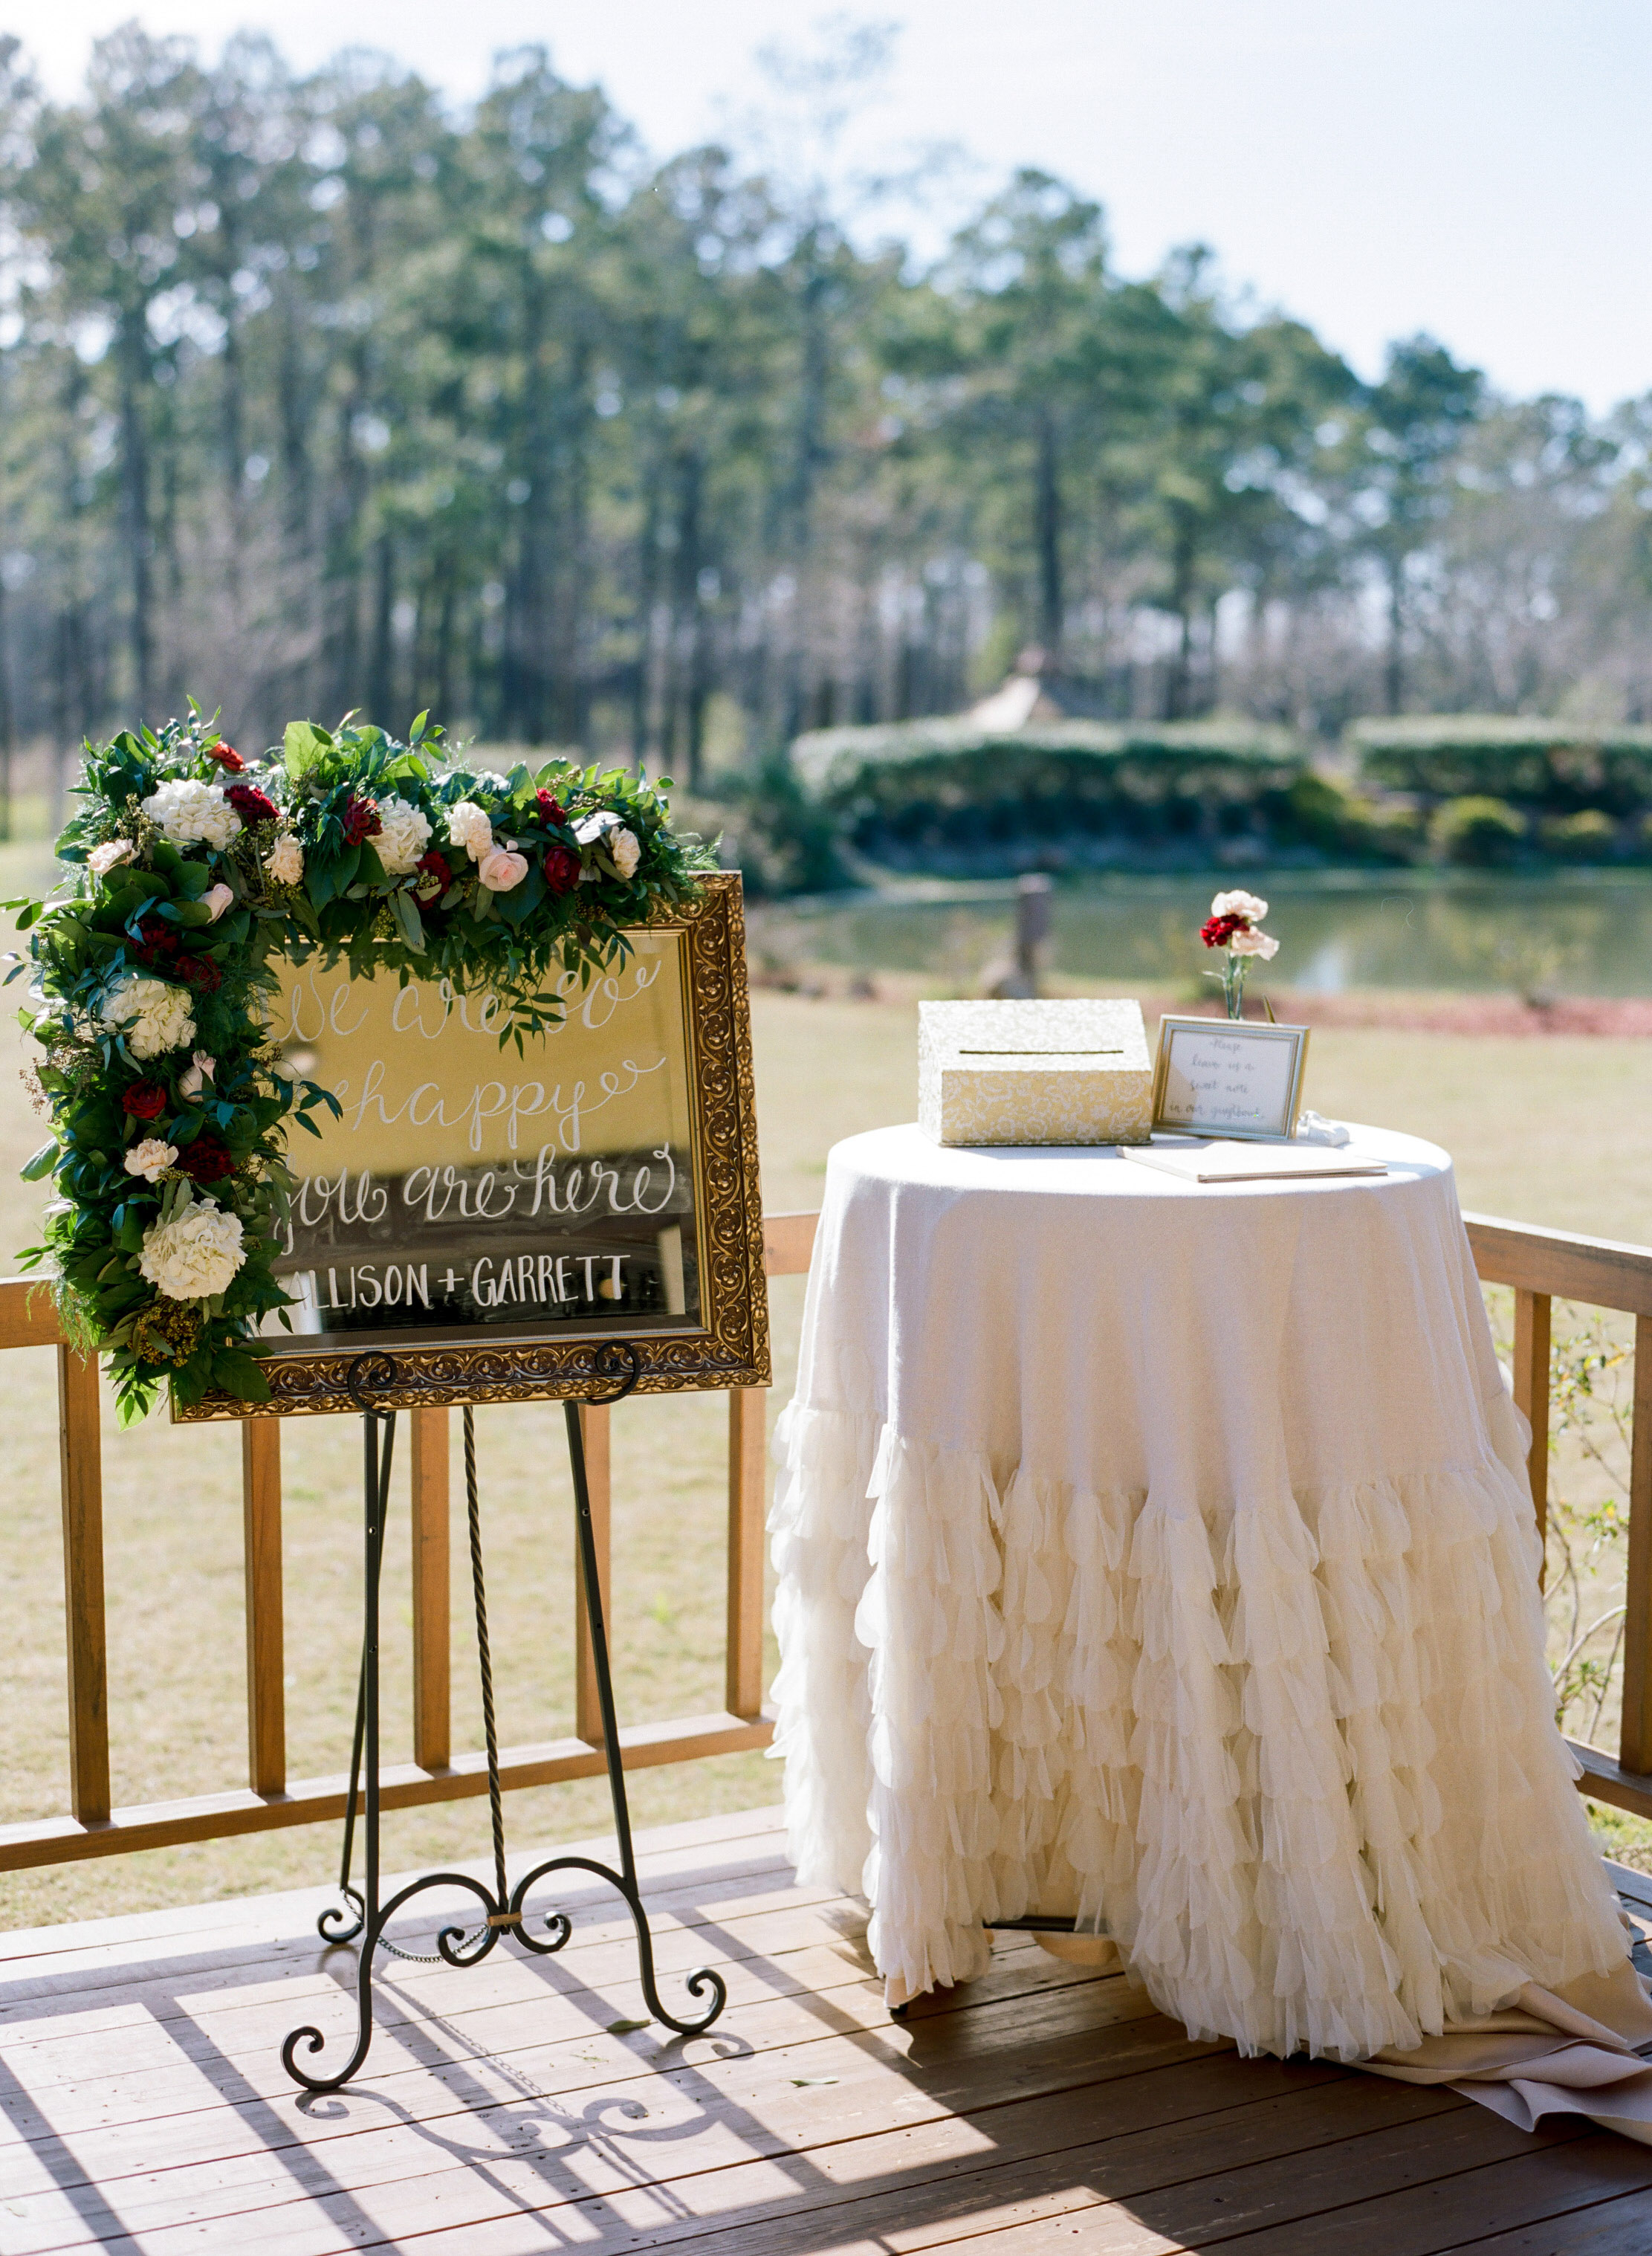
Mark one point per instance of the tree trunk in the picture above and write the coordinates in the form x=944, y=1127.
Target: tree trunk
x=381, y=670
x=689, y=622
x=1184, y=575
x=1393, y=667
x=1047, y=515
x=133, y=356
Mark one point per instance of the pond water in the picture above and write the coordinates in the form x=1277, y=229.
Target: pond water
x=1578, y=935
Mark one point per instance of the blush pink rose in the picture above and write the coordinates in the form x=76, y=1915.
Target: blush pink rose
x=502, y=868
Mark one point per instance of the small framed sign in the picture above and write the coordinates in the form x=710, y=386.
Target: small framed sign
x=488, y=1220
x=1217, y=1077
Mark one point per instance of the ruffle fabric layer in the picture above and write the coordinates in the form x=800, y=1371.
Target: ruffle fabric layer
x=1294, y=1750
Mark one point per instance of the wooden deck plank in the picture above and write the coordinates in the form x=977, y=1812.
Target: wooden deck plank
x=761, y=1923
x=649, y=2091
x=142, y=2107
x=400, y=2179
x=479, y=2013
x=1622, y=2227
x=71, y=1957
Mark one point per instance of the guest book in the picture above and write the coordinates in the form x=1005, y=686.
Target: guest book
x=1073, y=1072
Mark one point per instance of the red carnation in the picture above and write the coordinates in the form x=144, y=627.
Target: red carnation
x=1216, y=932
x=549, y=812
x=360, y=821
x=206, y=1160
x=145, y=1100
x=561, y=870
x=250, y=803
x=158, y=945
x=226, y=755
x=198, y=971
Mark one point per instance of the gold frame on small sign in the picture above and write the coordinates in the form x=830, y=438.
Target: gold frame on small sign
x=728, y=1349
x=1170, y=1025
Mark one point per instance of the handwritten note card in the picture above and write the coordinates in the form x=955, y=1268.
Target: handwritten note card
x=1229, y=1080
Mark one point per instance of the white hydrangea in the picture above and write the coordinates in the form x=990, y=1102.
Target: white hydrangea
x=103, y=859
x=154, y=1016
x=193, y=1255
x=469, y=827
x=406, y=835
x=624, y=851
x=151, y=1158
x=284, y=860
x=184, y=812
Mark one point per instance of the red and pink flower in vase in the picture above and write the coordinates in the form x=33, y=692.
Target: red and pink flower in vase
x=1234, y=926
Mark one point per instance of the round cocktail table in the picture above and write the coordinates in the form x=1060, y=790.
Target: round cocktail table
x=1162, y=1555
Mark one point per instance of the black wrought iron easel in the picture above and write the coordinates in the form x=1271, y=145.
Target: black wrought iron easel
x=503, y=1913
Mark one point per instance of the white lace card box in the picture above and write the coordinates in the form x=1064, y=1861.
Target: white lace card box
x=1034, y=1073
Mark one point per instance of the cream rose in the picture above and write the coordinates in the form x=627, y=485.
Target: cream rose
x=284, y=860
x=151, y=1158
x=155, y=1017
x=195, y=1254
x=103, y=859
x=186, y=811
x=624, y=851
x=502, y=868
x=468, y=827
x=216, y=900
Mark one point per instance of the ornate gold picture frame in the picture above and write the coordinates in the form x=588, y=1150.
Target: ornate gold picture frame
x=482, y=1227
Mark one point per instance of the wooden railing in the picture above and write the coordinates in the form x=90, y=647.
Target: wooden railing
x=436, y=1773
x=1545, y=1266
x=1541, y=1265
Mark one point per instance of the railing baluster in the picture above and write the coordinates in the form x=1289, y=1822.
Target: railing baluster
x=266, y=1636
x=1635, y=1740
x=747, y=1450
x=1532, y=1314
x=433, y=1627
x=596, y=1433
x=80, y=1443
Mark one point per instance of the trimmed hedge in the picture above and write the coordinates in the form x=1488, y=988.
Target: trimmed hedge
x=1554, y=767
x=1077, y=792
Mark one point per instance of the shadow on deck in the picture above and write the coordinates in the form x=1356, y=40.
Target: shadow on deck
x=510, y=2109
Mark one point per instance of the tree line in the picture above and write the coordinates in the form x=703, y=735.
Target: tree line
x=316, y=393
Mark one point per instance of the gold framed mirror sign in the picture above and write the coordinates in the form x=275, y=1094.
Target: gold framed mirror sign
x=490, y=1221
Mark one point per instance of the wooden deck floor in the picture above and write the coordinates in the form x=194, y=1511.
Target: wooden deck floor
x=511, y=2110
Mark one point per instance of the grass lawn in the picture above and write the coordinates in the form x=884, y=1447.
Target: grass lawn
x=1544, y=1131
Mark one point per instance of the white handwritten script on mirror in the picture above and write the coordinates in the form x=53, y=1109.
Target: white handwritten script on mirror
x=1226, y=1080
x=465, y=1190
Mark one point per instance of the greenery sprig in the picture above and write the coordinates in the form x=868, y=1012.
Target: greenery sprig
x=191, y=870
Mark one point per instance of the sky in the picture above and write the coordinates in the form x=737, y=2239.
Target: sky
x=1478, y=169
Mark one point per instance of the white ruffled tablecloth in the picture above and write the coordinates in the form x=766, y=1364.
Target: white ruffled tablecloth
x=1162, y=1554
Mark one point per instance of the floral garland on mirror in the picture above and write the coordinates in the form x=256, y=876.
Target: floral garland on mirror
x=191, y=868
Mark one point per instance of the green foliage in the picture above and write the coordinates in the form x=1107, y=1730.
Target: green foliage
x=788, y=843
x=1344, y=827
x=1057, y=793
x=1558, y=767
x=1589, y=836
x=1478, y=832
x=191, y=872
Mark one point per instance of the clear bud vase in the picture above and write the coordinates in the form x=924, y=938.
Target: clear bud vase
x=1232, y=976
